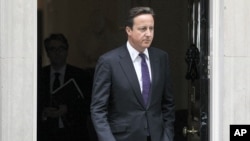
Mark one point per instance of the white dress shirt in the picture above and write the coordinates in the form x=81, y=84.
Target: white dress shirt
x=61, y=79
x=61, y=76
x=136, y=59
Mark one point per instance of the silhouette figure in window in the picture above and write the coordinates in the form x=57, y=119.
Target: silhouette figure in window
x=63, y=109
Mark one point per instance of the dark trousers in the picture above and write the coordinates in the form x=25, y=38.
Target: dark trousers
x=148, y=138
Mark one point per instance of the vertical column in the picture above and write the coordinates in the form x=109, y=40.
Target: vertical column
x=18, y=49
x=216, y=64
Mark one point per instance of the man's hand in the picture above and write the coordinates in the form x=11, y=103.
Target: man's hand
x=55, y=112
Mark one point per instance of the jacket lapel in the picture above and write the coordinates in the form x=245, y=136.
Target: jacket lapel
x=67, y=74
x=154, y=64
x=127, y=66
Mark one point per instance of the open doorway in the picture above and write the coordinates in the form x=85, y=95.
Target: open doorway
x=93, y=27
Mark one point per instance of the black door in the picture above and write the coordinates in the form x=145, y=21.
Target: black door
x=197, y=73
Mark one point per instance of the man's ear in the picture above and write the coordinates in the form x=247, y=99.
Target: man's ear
x=128, y=30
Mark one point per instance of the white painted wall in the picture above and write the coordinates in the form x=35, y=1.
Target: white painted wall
x=18, y=70
x=230, y=53
x=236, y=96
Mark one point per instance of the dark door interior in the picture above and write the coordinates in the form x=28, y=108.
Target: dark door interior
x=197, y=72
x=181, y=28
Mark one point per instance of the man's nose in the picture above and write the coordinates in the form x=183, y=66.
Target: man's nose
x=149, y=32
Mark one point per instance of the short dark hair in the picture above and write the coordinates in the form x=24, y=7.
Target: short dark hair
x=58, y=37
x=136, y=11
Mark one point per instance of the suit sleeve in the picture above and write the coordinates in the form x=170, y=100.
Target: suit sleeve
x=168, y=106
x=100, y=100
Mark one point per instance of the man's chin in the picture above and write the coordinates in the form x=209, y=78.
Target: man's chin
x=146, y=46
x=58, y=64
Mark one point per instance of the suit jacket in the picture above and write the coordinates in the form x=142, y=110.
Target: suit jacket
x=117, y=108
x=77, y=111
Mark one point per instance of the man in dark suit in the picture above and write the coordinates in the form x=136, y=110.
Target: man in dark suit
x=132, y=96
x=62, y=117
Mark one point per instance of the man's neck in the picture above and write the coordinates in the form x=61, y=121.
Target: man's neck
x=57, y=67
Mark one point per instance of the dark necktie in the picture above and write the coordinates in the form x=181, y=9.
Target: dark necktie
x=145, y=78
x=56, y=83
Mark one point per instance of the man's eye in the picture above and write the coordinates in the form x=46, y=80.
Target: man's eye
x=143, y=29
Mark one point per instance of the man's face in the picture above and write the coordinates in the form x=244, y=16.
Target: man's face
x=57, y=53
x=142, y=33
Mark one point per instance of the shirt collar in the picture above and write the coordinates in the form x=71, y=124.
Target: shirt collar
x=61, y=70
x=134, y=53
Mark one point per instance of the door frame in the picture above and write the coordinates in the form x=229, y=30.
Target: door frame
x=28, y=8
x=216, y=68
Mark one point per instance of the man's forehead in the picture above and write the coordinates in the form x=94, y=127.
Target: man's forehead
x=56, y=43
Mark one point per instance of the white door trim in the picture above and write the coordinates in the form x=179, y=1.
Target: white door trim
x=216, y=68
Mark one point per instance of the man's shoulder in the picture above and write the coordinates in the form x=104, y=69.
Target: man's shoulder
x=157, y=51
x=73, y=68
x=114, y=53
x=77, y=71
x=45, y=69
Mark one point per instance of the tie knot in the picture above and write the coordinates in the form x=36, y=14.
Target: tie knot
x=142, y=55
